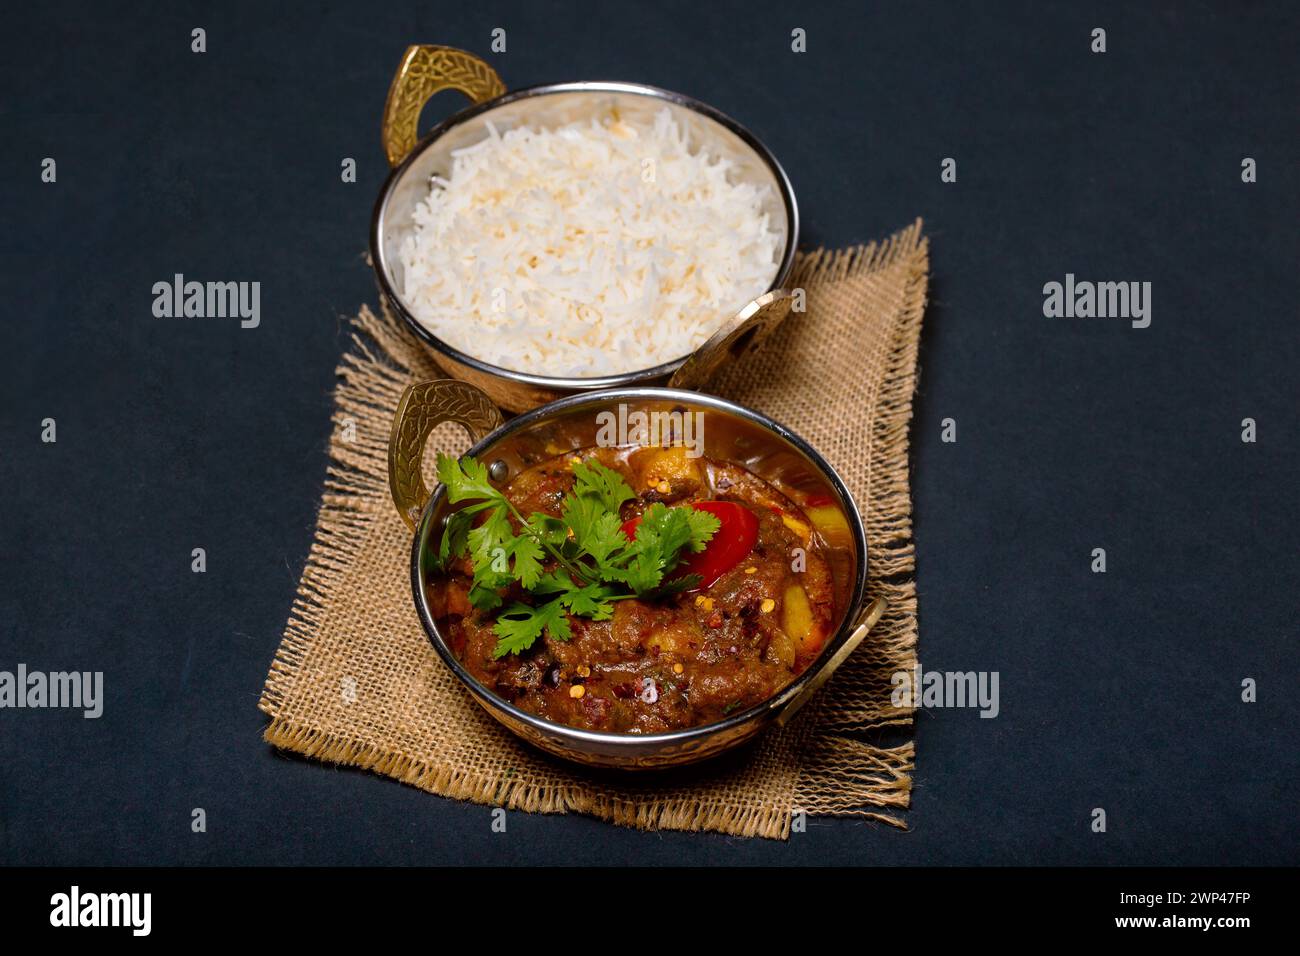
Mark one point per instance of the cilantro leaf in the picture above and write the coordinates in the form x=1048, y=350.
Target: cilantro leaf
x=490, y=545
x=605, y=484
x=519, y=625
x=528, y=561
x=597, y=532
x=491, y=541
x=485, y=589
x=595, y=565
x=703, y=526
x=454, y=538
x=677, y=585
x=551, y=583
x=591, y=601
x=550, y=530
x=465, y=478
x=661, y=537
x=663, y=533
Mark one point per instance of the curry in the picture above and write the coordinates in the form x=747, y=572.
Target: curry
x=587, y=618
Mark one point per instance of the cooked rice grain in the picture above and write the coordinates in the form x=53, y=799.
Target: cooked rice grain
x=589, y=249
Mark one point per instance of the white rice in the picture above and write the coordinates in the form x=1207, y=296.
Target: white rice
x=589, y=249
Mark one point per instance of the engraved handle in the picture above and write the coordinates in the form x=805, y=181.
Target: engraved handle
x=424, y=71
x=742, y=335
x=425, y=406
x=865, y=623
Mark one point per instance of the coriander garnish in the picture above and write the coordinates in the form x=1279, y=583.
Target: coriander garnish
x=594, y=562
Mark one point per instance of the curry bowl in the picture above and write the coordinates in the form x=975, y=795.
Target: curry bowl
x=725, y=432
x=419, y=162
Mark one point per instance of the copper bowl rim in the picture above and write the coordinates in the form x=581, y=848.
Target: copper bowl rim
x=569, y=383
x=640, y=742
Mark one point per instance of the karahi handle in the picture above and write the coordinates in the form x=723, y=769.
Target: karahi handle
x=866, y=622
x=738, y=338
x=424, y=71
x=423, y=407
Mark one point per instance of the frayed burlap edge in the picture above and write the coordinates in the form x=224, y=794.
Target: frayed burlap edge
x=841, y=774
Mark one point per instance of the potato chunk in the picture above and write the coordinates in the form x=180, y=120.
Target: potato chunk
x=668, y=473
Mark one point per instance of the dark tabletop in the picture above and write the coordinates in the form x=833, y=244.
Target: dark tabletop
x=1119, y=690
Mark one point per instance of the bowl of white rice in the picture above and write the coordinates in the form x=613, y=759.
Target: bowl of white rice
x=574, y=236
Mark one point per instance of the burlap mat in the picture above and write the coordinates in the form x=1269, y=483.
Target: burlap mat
x=356, y=682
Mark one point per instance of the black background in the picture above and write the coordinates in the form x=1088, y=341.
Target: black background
x=1118, y=690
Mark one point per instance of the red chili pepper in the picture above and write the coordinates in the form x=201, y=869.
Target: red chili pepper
x=736, y=536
